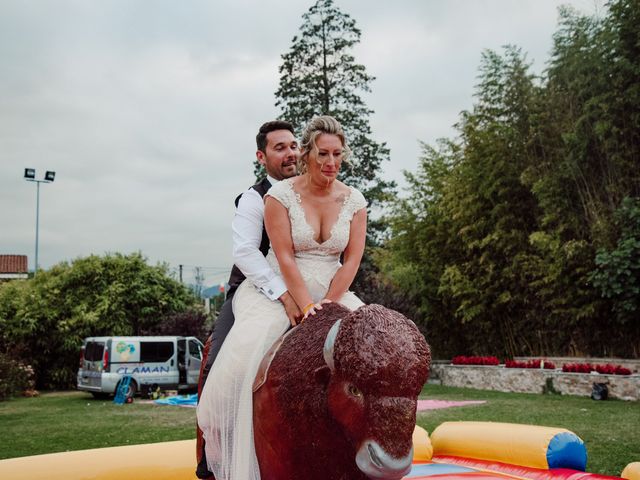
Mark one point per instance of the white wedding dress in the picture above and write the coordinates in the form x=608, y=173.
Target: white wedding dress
x=225, y=411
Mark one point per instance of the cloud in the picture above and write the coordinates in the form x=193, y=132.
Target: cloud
x=147, y=111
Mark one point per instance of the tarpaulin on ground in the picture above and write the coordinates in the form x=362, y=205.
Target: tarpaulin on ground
x=438, y=404
x=179, y=400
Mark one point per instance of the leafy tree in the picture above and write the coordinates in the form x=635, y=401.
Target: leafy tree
x=520, y=235
x=617, y=273
x=460, y=241
x=319, y=76
x=587, y=151
x=43, y=320
x=423, y=241
x=188, y=323
x=493, y=212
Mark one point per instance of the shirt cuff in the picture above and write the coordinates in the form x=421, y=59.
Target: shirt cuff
x=274, y=288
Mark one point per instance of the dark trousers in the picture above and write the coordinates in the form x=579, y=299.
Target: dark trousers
x=220, y=330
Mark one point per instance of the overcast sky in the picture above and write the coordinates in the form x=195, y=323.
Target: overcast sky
x=147, y=110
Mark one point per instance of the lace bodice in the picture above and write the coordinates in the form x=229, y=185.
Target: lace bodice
x=302, y=234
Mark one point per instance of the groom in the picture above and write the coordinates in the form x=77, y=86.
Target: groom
x=277, y=151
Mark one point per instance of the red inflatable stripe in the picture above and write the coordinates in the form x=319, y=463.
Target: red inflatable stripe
x=522, y=472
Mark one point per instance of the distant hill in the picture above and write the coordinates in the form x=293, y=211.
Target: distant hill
x=210, y=292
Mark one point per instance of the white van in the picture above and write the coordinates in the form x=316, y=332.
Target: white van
x=151, y=362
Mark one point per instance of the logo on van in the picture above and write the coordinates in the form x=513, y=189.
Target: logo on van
x=129, y=371
x=125, y=349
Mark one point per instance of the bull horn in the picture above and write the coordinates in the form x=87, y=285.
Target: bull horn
x=327, y=351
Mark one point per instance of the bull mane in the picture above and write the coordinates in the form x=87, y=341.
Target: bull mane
x=302, y=350
x=384, y=341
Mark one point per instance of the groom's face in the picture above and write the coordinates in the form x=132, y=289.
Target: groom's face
x=281, y=154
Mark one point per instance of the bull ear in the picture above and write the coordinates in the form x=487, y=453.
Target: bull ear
x=322, y=375
x=327, y=351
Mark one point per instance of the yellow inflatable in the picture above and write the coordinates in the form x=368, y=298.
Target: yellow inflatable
x=524, y=445
x=154, y=461
x=631, y=471
x=422, y=449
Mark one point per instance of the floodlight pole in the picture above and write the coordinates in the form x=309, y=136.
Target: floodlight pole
x=30, y=175
x=35, y=272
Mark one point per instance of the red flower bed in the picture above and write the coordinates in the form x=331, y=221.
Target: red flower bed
x=462, y=360
x=537, y=363
x=607, y=369
x=613, y=369
x=577, y=368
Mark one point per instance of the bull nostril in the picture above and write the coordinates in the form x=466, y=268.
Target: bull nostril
x=374, y=456
x=376, y=463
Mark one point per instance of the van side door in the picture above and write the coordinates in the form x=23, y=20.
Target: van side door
x=194, y=361
x=182, y=361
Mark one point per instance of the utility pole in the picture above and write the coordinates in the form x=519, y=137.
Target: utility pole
x=180, y=266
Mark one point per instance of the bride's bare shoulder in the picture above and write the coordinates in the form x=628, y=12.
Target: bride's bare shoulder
x=342, y=188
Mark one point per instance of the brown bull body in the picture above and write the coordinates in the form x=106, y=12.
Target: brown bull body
x=347, y=412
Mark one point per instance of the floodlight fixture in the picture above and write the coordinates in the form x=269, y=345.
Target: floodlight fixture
x=49, y=176
x=30, y=173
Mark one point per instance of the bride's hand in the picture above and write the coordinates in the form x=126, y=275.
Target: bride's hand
x=309, y=310
x=313, y=308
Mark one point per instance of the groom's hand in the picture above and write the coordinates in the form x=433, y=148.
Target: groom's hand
x=291, y=308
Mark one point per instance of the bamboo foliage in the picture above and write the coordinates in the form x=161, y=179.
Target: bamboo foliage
x=518, y=236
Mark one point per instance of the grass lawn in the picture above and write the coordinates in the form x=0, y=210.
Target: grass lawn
x=62, y=421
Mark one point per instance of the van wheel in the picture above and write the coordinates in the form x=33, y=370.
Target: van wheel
x=131, y=391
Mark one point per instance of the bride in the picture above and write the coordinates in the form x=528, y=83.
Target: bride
x=311, y=220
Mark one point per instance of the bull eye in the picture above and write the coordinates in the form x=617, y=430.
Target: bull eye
x=353, y=391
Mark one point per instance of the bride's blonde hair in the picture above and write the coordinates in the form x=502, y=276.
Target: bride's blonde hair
x=316, y=127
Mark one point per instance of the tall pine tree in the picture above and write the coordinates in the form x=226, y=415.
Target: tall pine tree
x=319, y=76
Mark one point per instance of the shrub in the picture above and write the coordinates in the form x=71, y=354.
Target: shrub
x=44, y=319
x=15, y=377
x=463, y=360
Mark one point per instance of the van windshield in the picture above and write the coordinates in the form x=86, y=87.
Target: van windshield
x=93, y=351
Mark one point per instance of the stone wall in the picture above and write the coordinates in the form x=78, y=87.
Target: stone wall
x=530, y=380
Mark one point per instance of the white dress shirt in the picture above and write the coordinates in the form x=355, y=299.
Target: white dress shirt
x=247, y=235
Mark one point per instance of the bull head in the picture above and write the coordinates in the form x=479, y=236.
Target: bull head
x=351, y=406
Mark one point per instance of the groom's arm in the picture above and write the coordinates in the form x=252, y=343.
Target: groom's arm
x=247, y=236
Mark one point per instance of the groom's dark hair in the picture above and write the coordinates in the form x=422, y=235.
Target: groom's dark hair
x=261, y=137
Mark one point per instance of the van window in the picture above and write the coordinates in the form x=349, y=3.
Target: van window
x=194, y=349
x=156, y=351
x=93, y=351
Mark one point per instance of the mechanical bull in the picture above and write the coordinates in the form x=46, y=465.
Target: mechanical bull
x=336, y=397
